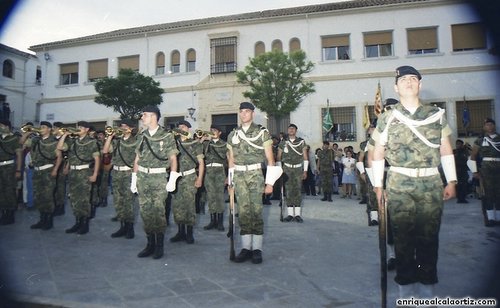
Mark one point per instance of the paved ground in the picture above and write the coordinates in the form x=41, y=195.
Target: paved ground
x=331, y=260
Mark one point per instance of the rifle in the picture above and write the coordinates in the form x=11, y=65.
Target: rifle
x=282, y=200
x=230, y=233
x=382, y=238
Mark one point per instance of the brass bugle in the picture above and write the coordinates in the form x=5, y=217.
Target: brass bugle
x=71, y=130
x=27, y=128
x=203, y=133
x=180, y=132
x=118, y=131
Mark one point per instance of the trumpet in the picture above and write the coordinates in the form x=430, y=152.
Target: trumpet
x=73, y=132
x=31, y=129
x=179, y=132
x=203, y=133
x=118, y=131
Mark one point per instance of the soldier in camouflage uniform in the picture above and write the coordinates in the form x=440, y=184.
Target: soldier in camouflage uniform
x=248, y=146
x=362, y=165
x=84, y=160
x=10, y=172
x=123, y=153
x=488, y=148
x=292, y=153
x=104, y=173
x=46, y=160
x=155, y=154
x=325, y=161
x=415, y=139
x=215, y=150
x=183, y=200
x=60, y=189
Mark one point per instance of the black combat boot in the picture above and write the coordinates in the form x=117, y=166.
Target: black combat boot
x=93, y=209
x=220, y=221
x=243, y=256
x=181, y=234
x=121, y=232
x=158, y=251
x=84, y=226
x=40, y=223
x=75, y=227
x=257, y=256
x=330, y=197
x=212, y=223
x=8, y=217
x=150, y=247
x=189, y=235
x=48, y=222
x=129, y=230
x=325, y=197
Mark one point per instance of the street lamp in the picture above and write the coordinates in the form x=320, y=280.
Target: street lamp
x=191, y=111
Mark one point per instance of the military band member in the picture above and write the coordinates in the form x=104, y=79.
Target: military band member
x=326, y=157
x=84, y=161
x=488, y=148
x=155, y=154
x=183, y=200
x=415, y=139
x=10, y=172
x=122, y=149
x=45, y=159
x=104, y=173
x=215, y=150
x=292, y=154
x=60, y=189
x=248, y=145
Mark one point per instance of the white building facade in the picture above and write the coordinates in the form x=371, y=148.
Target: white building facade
x=354, y=46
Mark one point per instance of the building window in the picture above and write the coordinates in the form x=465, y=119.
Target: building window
x=378, y=44
x=468, y=37
x=8, y=69
x=69, y=73
x=171, y=122
x=277, y=45
x=129, y=62
x=175, y=62
x=98, y=69
x=38, y=77
x=422, y=41
x=160, y=64
x=335, y=47
x=344, y=124
x=294, y=44
x=259, y=49
x=223, y=55
x=471, y=124
x=191, y=60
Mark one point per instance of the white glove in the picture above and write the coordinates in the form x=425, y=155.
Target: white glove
x=272, y=174
x=230, y=176
x=172, y=180
x=133, y=183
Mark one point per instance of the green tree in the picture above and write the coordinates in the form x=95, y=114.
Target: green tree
x=128, y=93
x=276, y=81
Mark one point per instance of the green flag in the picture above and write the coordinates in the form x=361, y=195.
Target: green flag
x=327, y=121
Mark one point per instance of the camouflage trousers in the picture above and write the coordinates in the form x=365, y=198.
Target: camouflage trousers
x=249, y=186
x=60, y=188
x=214, y=185
x=371, y=197
x=415, y=206
x=152, y=195
x=8, y=182
x=490, y=179
x=43, y=189
x=79, y=192
x=293, y=186
x=183, y=201
x=123, y=198
x=103, y=184
x=326, y=180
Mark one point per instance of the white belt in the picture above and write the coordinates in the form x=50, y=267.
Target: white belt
x=293, y=166
x=7, y=162
x=43, y=167
x=152, y=170
x=491, y=159
x=415, y=172
x=215, y=165
x=79, y=167
x=190, y=171
x=121, y=168
x=248, y=167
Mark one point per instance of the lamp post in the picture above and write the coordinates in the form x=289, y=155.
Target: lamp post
x=191, y=111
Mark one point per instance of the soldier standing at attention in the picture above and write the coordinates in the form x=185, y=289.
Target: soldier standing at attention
x=183, y=200
x=10, y=169
x=215, y=176
x=84, y=161
x=292, y=154
x=123, y=149
x=248, y=146
x=155, y=154
x=325, y=163
x=488, y=148
x=46, y=160
x=60, y=189
x=415, y=139
x=364, y=177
